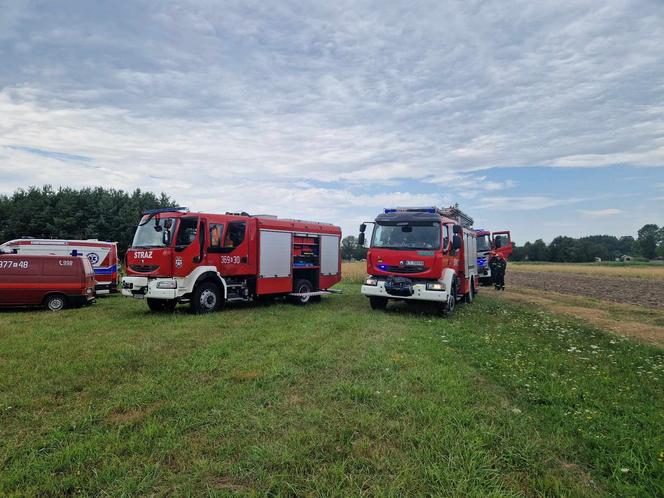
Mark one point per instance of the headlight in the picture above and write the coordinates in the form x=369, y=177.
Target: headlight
x=435, y=286
x=371, y=281
x=167, y=284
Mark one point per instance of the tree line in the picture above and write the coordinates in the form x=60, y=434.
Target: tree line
x=67, y=213
x=649, y=244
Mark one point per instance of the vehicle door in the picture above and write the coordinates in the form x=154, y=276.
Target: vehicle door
x=502, y=243
x=231, y=251
x=189, y=245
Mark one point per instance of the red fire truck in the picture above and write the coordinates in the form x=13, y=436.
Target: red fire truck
x=210, y=259
x=426, y=254
x=102, y=255
x=487, y=244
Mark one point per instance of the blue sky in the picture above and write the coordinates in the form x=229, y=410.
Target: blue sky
x=543, y=117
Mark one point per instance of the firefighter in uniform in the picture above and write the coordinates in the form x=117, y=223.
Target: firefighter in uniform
x=498, y=266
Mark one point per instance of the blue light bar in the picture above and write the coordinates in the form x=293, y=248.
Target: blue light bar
x=165, y=210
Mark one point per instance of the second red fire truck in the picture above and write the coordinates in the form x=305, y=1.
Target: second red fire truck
x=488, y=244
x=425, y=254
x=210, y=259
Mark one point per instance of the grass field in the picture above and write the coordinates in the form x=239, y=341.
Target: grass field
x=329, y=399
x=635, y=270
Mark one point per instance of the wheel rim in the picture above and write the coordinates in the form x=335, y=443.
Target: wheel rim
x=451, y=301
x=302, y=289
x=56, y=304
x=208, y=300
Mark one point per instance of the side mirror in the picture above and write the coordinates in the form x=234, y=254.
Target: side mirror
x=456, y=243
x=363, y=227
x=457, y=229
x=360, y=239
x=166, y=237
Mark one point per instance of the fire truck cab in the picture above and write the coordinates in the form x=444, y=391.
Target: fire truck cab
x=426, y=254
x=487, y=244
x=210, y=259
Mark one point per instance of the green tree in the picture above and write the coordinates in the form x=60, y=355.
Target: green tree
x=647, y=240
x=105, y=214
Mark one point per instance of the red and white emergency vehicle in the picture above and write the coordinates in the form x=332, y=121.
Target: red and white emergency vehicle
x=102, y=255
x=210, y=259
x=489, y=244
x=426, y=254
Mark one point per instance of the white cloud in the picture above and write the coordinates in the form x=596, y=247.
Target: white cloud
x=206, y=102
x=600, y=213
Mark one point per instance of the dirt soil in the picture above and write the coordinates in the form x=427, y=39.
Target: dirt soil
x=642, y=329
x=641, y=292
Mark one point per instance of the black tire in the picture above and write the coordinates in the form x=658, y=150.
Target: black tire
x=206, y=298
x=55, y=302
x=300, y=286
x=447, y=308
x=470, y=297
x=161, y=305
x=378, y=303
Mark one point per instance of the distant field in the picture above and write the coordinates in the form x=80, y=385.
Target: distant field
x=637, y=270
x=331, y=399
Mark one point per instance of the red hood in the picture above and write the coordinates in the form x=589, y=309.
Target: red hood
x=417, y=263
x=149, y=262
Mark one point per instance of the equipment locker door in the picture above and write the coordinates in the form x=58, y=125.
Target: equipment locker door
x=275, y=262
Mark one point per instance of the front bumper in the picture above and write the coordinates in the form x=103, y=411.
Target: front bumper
x=141, y=287
x=420, y=292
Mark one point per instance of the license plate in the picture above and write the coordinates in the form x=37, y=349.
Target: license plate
x=414, y=263
x=139, y=296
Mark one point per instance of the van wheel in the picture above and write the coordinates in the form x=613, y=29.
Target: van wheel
x=56, y=302
x=162, y=305
x=206, y=298
x=378, y=303
x=470, y=297
x=302, y=286
x=447, y=308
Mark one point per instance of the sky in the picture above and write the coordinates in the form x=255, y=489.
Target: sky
x=544, y=117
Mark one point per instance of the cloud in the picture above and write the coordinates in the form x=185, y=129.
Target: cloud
x=600, y=213
x=524, y=203
x=337, y=102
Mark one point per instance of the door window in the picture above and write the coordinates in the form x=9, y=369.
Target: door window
x=216, y=231
x=186, y=233
x=234, y=235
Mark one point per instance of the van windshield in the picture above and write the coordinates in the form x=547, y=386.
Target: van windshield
x=150, y=233
x=407, y=236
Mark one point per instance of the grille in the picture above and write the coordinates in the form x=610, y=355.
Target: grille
x=405, y=269
x=144, y=268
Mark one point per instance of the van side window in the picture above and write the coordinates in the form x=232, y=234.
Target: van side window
x=234, y=234
x=216, y=230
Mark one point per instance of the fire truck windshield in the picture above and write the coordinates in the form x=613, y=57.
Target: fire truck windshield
x=406, y=236
x=150, y=234
x=483, y=243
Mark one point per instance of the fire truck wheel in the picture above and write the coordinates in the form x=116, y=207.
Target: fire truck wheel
x=165, y=305
x=56, y=302
x=301, y=286
x=206, y=298
x=470, y=297
x=378, y=303
x=446, y=309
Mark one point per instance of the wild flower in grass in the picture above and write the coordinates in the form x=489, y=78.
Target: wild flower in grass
x=624, y=470
x=516, y=411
